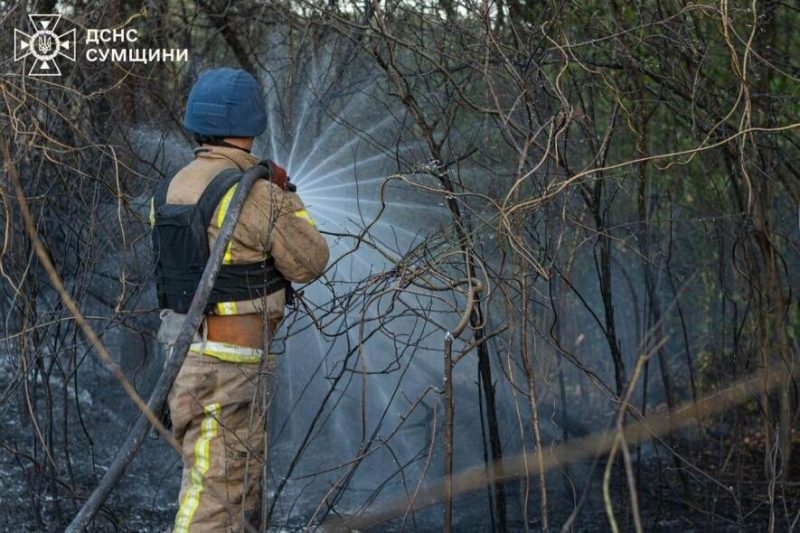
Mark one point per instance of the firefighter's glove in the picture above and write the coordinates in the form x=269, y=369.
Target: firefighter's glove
x=277, y=174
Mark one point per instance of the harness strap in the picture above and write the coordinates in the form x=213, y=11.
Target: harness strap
x=213, y=193
x=160, y=194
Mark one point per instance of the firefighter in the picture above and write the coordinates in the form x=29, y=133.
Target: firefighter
x=217, y=403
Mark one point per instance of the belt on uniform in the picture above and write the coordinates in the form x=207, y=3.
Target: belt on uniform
x=241, y=330
x=234, y=338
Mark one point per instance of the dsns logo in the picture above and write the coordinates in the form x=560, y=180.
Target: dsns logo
x=44, y=45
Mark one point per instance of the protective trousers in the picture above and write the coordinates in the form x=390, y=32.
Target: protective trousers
x=218, y=415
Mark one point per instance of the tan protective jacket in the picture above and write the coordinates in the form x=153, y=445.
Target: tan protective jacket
x=273, y=223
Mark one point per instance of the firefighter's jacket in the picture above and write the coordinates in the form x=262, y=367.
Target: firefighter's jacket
x=273, y=223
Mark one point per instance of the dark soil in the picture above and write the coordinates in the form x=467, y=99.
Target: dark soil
x=695, y=495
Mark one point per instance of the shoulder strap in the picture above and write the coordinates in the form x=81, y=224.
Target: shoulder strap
x=214, y=192
x=160, y=193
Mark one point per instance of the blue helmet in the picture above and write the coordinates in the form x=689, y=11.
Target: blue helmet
x=226, y=102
